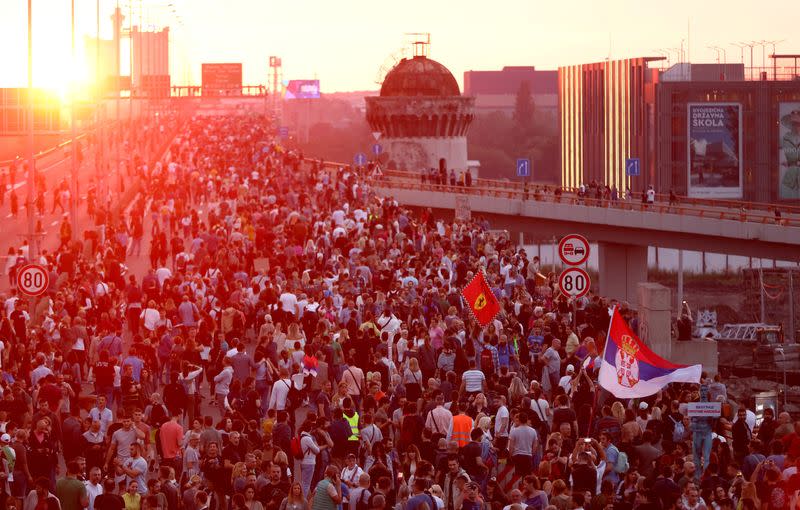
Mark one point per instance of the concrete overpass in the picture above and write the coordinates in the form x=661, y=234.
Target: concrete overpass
x=623, y=230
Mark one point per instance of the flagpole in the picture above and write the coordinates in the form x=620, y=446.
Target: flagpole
x=608, y=335
x=602, y=360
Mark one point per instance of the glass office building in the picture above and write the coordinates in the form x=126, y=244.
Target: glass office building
x=606, y=116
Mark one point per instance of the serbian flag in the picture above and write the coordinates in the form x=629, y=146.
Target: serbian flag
x=629, y=368
x=481, y=300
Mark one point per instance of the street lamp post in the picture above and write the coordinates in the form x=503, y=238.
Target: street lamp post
x=749, y=45
x=774, y=60
x=779, y=350
x=33, y=252
x=73, y=204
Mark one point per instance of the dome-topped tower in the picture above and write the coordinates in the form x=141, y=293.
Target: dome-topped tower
x=422, y=117
x=419, y=76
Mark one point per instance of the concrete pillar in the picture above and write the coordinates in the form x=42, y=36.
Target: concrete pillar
x=622, y=268
x=655, y=320
x=655, y=315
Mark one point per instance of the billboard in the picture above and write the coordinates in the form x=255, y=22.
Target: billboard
x=222, y=79
x=302, y=89
x=789, y=151
x=714, y=150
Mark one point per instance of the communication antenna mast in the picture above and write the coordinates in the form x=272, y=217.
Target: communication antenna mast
x=416, y=43
x=420, y=42
x=276, y=70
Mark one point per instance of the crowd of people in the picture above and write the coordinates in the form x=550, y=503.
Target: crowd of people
x=301, y=342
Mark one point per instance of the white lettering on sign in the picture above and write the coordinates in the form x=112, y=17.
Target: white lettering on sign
x=704, y=409
x=708, y=117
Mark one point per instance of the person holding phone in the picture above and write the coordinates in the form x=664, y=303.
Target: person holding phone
x=328, y=493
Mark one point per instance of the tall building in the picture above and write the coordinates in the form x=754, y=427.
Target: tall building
x=422, y=116
x=702, y=130
x=103, y=58
x=497, y=90
x=606, y=116
x=150, y=64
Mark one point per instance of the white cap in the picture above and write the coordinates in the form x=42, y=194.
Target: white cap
x=643, y=405
x=570, y=368
x=5, y=438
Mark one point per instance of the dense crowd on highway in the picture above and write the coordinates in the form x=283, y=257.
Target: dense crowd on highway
x=300, y=342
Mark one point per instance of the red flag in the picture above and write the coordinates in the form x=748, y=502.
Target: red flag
x=481, y=300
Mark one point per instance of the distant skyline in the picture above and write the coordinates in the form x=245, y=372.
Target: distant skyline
x=345, y=43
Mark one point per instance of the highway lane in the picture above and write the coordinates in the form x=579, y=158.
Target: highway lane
x=56, y=167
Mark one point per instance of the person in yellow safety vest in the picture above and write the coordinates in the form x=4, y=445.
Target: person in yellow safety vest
x=351, y=416
x=461, y=426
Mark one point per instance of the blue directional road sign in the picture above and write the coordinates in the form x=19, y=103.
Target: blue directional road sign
x=360, y=159
x=377, y=149
x=523, y=168
x=283, y=131
x=633, y=167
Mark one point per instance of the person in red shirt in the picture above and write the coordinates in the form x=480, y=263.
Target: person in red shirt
x=791, y=442
x=171, y=435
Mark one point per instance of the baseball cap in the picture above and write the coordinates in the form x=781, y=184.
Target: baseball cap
x=5, y=438
x=643, y=405
x=570, y=368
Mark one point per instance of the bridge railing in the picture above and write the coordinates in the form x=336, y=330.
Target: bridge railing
x=46, y=152
x=663, y=207
x=660, y=197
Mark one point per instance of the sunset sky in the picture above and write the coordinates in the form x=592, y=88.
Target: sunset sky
x=345, y=43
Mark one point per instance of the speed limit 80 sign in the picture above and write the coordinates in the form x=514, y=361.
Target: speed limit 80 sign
x=33, y=280
x=574, y=282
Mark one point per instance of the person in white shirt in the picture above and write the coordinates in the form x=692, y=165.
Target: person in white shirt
x=280, y=391
x=222, y=384
x=189, y=378
x=150, y=316
x=101, y=289
x=351, y=471
x=565, y=381
x=439, y=420
x=539, y=405
x=310, y=451
x=94, y=487
x=162, y=273
x=501, y=421
x=11, y=302
x=289, y=304
x=40, y=371
x=102, y=414
x=473, y=380
x=370, y=434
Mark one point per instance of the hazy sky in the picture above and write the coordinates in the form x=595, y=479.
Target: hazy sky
x=344, y=43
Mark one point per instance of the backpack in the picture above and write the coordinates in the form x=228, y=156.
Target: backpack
x=487, y=361
x=362, y=503
x=622, y=465
x=296, y=448
x=679, y=431
x=158, y=415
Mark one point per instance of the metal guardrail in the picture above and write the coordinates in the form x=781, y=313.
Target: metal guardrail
x=755, y=212
x=658, y=207
x=44, y=153
x=736, y=205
